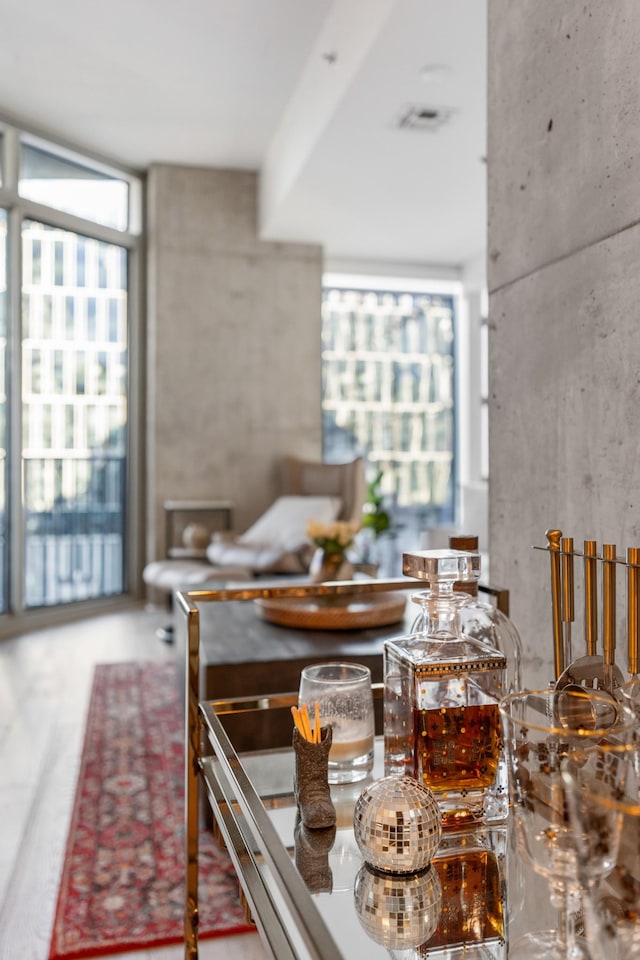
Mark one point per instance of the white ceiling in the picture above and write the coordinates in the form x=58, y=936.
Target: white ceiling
x=306, y=91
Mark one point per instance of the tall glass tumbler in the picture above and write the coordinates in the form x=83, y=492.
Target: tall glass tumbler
x=343, y=693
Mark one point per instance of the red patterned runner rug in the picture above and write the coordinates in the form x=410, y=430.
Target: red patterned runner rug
x=122, y=885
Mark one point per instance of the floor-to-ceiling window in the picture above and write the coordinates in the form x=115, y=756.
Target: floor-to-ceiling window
x=388, y=390
x=69, y=251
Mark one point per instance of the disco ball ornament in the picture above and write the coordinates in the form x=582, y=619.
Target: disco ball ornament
x=397, y=825
x=400, y=913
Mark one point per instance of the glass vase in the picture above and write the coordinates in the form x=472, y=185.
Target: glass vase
x=326, y=566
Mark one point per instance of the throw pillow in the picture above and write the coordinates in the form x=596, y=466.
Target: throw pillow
x=275, y=542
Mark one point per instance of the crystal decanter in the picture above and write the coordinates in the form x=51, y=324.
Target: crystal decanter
x=442, y=689
x=484, y=621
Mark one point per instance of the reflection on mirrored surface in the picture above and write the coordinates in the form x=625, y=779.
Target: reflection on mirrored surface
x=312, y=849
x=398, y=912
x=471, y=869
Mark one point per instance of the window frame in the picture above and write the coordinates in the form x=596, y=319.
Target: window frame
x=18, y=210
x=412, y=284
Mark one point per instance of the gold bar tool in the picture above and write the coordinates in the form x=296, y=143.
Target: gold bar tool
x=553, y=538
x=609, y=611
x=591, y=597
x=568, y=605
x=633, y=592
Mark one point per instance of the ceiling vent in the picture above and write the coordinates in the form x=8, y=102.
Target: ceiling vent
x=416, y=117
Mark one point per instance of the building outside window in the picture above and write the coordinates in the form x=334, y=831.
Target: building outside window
x=388, y=386
x=65, y=320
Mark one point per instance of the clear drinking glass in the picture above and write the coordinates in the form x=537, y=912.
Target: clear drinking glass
x=343, y=693
x=546, y=732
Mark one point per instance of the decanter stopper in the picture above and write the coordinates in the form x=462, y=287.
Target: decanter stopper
x=442, y=565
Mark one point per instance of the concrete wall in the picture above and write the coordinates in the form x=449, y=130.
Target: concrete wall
x=471, y=384
x=564, y=248
x=233, y=346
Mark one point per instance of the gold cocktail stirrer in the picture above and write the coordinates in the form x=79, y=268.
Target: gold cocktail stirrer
x=568, y=607
x=633, y=590
x=553, y=538
x=591, y=597
x=609, y=611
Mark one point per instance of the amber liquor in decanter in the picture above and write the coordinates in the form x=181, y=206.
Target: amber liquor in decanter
x=442, y=688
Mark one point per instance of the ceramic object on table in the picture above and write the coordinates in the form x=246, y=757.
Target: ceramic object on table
x=326, y=566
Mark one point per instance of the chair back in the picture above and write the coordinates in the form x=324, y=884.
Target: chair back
x=344, y=480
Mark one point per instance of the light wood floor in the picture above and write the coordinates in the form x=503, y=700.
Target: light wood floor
x=45, y=681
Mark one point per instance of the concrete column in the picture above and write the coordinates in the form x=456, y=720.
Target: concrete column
x=564, y=247
x=234, y=346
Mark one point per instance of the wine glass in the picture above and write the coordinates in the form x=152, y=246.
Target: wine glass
x=629, y=693
x=544, y=730
x=604, y=815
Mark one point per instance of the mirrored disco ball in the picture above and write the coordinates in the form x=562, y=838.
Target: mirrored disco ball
x=400, y=913
x=397, y=825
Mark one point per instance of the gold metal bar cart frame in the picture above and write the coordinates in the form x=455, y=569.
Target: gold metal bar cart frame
x=244, y=823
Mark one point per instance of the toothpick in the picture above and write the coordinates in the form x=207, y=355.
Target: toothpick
x=304, y=716
x=317, y=722
x=298, y=722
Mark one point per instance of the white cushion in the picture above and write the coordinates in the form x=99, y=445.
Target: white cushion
x=257, y=559
x=169, y=575
x=283, y=526
x=273, y=542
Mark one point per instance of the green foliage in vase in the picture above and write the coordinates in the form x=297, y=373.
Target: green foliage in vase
x=374, y=516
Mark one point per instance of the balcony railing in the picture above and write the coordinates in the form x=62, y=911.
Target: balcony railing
x=75, y=549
